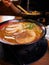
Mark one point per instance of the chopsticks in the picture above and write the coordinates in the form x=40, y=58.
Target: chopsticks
x=26, y=12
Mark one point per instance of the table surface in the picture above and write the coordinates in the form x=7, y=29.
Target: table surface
x=43, y=61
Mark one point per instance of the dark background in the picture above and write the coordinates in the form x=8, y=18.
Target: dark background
x=39, y=5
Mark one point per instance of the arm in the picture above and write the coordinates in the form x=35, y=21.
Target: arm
x=15, y=9
x=8, y=3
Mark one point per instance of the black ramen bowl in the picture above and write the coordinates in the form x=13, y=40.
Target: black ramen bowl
x=25, y=53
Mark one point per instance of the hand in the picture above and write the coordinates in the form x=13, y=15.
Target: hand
x=7, y=2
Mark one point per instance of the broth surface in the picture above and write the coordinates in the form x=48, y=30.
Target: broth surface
x=20, y=32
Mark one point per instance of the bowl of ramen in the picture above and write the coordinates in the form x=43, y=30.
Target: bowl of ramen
x=21, y=32
x=23, y=41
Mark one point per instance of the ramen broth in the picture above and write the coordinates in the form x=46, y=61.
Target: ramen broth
x=20, y=32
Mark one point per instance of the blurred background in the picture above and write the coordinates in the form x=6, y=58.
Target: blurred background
x=39, y=5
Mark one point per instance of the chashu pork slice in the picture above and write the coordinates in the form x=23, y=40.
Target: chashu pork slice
x=25, y=37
